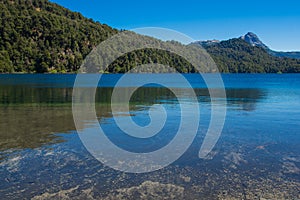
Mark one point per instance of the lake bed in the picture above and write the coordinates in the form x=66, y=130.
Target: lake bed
x=256, y=157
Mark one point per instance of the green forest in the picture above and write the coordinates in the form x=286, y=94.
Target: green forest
x=237, y=56
x=38, y=36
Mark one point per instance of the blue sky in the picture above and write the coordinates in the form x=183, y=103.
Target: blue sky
x=277, y=23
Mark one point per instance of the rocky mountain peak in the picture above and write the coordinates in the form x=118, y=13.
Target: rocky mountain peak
x=253, y=40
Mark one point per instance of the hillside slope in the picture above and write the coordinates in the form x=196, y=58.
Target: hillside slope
x=238, y=56
x=253, y=40
x=39, y=36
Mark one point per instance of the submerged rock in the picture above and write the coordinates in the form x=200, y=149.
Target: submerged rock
x=148, y=190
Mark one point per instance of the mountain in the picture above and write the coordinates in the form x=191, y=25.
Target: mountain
x=40, y=36
x=37, y=36
x=239, y=56
x=253, y=40
x=208, y=42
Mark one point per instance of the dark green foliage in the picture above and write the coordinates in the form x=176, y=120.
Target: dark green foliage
x=5, y=63
x=39, y=36
x=151, y=56
x=237, y=56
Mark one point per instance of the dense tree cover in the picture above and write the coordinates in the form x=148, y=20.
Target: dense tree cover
x=237, y=56
x=151, y=56
x=39, y=36
x=155, y=56
x=231, y=56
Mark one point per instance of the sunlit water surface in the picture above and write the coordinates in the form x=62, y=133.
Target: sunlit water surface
x=257, y=155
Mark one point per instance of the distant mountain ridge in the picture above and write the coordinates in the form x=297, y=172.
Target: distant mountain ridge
x=253, y=40
x=248, y=54
x=282, y=54
x=207, y=43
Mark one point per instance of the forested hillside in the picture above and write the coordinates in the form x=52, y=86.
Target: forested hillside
x=237, y=56
x=37, y=36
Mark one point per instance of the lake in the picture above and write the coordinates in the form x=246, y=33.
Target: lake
x=257, y=155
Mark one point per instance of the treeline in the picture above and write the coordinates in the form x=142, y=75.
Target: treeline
x=151, y=57
x=37, y=36
x=231, y=56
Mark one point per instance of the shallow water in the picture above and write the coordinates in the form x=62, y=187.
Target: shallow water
x=257, y=155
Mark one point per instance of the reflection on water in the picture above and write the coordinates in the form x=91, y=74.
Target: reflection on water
x=256, y=157
x=31, y=116
x=246, y=99
x=32, y=126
